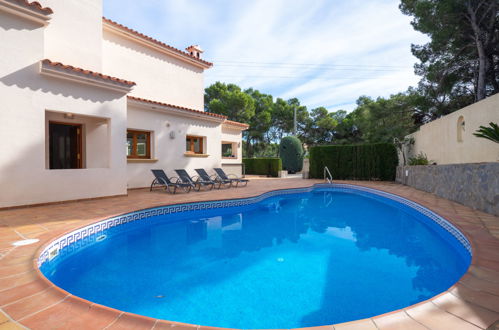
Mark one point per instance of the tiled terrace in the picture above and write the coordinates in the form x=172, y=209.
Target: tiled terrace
x=27, y=301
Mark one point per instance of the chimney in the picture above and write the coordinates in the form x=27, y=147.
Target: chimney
x=195, y=51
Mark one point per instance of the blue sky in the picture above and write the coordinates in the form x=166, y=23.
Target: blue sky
x=324, y=52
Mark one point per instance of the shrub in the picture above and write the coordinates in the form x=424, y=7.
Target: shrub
x=263, y=166
x=291, y=153
x=355, y=162
x=419, y=159
x=490, y=132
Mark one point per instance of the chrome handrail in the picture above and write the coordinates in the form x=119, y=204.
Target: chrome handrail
x=329, y=177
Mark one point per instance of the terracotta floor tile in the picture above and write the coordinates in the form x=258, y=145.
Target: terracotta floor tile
x=166, y=325
x=57, y=316
x=397, y=321
x=49, y=221
x=356, y=325
x=482, y=285
x=485, y=274
x=7, y=271
x=3, y=318
x=94, y=318
x=128, y=321
x=324, y=327
x=8, y=282
x=480, y=298
x=10, y=326
x=490, y=264
x=434, y=318
x=30, y=305
x=22, y=291
x=215, y=328
x=468, y=311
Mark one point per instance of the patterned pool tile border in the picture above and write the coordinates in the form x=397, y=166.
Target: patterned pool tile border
x=76, y=236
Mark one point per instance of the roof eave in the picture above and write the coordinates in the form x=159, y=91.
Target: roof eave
x=145, y=42
x=24, y=12
x=170, y=109
x=236, y=127
x=62, y=73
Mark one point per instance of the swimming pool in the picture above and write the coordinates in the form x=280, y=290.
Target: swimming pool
x=292, y=258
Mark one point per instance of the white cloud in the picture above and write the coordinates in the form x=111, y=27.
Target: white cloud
x=357, y=47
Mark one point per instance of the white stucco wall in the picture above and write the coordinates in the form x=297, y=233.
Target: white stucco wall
x=159, y=77
x=168, y=153
x=26, y=96
x=30, y=100
x=233, y=165
x=96, y=135
x=439, y=138
x=74, y=35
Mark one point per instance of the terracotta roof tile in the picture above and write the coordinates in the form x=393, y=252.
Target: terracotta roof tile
x=155, y=41
x=176, y=107
x=236, y=123
x=88, y=72
x=33, y=5
x=226, y=121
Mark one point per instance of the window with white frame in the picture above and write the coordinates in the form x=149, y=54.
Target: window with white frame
x=229, y=149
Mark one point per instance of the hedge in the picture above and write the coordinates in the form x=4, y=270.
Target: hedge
x=355, y=162
x=265, y=166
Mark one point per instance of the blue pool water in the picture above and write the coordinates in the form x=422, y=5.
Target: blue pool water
x=296, y=260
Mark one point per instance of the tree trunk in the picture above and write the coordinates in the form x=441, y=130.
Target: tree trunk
x=482, y=57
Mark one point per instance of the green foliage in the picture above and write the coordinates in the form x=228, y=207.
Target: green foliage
x=263, y=166
x=319, y=127
x=460, y=64
x=230, y=101
x=291, y=153
x=355, y=162
x=491, y=133
x=419, y=159
x=262, y=150
x=377, y=121
x=283, y=118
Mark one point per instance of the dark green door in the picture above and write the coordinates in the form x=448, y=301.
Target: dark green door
x=64, y=146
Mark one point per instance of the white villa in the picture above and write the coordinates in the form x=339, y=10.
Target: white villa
x=89, y=106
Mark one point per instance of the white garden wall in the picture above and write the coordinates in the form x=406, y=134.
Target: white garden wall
x=447, y=141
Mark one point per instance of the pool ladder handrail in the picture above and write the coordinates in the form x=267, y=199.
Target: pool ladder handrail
x=329, y=176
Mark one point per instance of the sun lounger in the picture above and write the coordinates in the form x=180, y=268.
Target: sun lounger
x=170, y=184
x=196, y=184
x=231, y=177
x=203, y=175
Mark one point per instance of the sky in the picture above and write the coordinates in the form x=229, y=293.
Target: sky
x=323, y=52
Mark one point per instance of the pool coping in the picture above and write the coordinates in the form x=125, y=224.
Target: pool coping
x=409, y=314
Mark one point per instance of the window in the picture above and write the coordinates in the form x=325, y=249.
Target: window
x=229, y=150
x=194, y=144
x=138, y=144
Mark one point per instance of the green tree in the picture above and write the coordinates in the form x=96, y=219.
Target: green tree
x=261, y=122
x=319, y=128
x=229, y=100
x=461, y=62
x=376, y=121
x=283, y=118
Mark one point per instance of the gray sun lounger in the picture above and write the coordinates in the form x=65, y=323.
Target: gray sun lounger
x=203, y=175
x=231, y=177
x=196, y=184
x=170, y=184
